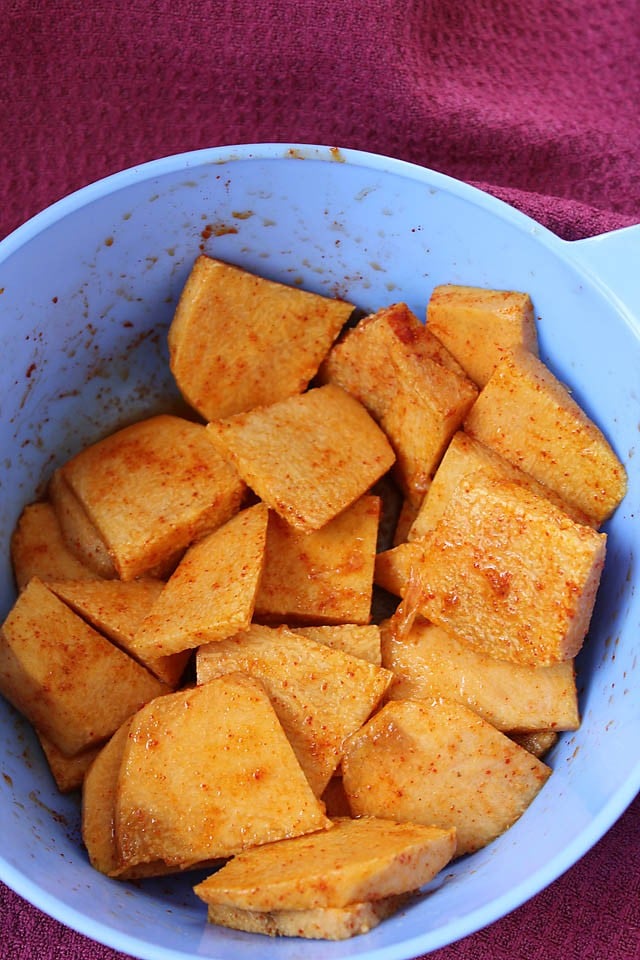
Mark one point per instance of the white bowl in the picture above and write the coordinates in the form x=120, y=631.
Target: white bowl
x=88, y=289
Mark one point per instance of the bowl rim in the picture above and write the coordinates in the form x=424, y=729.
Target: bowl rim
x=616, y=803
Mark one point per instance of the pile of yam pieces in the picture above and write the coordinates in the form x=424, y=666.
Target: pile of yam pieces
x=193, y=637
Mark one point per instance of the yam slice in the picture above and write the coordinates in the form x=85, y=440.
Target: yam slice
x=321, y=923
x=211, y=594
x=325, y=576
x=78, y=530
x=68, y=772
x=479, y=326
x=206, y=773
x=465, y=456
x=355, y=861
x=531, y=419
x=504, y=571
x=239, y=341
x=440, y=763
x=411, y=386
x=308, y=457
x=151, y=489
x=430, y=663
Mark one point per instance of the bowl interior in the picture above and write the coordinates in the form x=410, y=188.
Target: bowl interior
x=87, y=292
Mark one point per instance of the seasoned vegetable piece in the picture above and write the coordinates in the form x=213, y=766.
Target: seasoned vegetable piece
x=239, y=341
x=117, y=608
x=206, y=773
x=321, y=923
x=38, y=548
x=440, y=763
x=503, y=570
x=320, y=695
x=99, y=795
x=530, y=418
x=67, y=679
x=78, y=530
x=409, y=383
x=151, y=489
x=325, y=576
x=431, y=663
x=353, y=862
x=211, y=595
x=464, y=457
x=479, y=326
x=308, y=457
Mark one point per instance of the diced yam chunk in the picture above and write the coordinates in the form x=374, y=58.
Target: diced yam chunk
x=465, y=456
x=78, y=530
x=211, y=594
x=308, y=457
x=397, y=369
x=320, y=695
x=239, y=341
x=67, y=679
x=479, y=326
x=355, y=861
x=357, y=639
x=206, y=773
x=529, y=417
x=440, y=763
x=38, y=548
x=68, y=772
x=430, y=663
x=99, y=794
x=321, y=923
x=503, y=570
x=151, y=489
x=325, y=576
x=117, y=608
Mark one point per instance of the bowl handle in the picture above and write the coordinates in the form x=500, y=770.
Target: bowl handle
x=614, y=260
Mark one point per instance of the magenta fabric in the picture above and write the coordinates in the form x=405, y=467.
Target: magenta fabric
x=536, y=101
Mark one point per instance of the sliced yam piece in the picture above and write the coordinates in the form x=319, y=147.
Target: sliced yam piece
x=397, y=369
x=320, y=695
x=530, y=419
x=151, y=489
x=117, y=608
x=70, y=682
x=355, y=861
x=38, y=548
x=308, y=457
x=211, y=594
x=478, y=326
x=431, y=663
x=207, y=772
x=356, y=639
x=68, y=772
x=440, y=763
x=322, y=923
x=99, y=794
x=325, y=576
x=239, y=341
x=503, y=570
x=78, y=530
x=464, y=457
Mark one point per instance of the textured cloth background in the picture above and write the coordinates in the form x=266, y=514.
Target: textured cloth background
x=536, y=101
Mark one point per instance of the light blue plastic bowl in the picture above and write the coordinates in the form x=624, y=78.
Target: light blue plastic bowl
x=87, y=292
